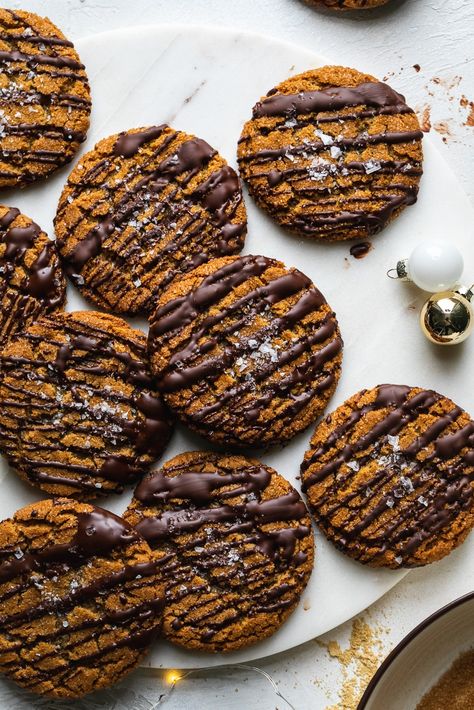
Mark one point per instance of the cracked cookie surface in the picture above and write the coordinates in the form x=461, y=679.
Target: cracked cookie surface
x=348, y=4
x=245, y=350
x=237, y=547
x=332, y=154
x=142, y=208
x=80, y=598
x=79, y=414
x=389, y=476
x=44, y=98
x=31, y=278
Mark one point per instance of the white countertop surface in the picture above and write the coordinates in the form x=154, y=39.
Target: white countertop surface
x=437, y=36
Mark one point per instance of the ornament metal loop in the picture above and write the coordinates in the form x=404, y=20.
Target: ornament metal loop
x=400, y=272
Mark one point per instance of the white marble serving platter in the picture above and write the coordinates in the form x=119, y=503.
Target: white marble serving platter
x=205, y=81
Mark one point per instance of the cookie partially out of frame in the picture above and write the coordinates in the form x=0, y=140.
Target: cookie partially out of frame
x=332, y=154
x=44, y=98
x=79, y=414
x=245, y=350
x=80, y=598
x=347, y=4
x=144, y=207
x=389, y=476
x=236, y=543
x=31, y=277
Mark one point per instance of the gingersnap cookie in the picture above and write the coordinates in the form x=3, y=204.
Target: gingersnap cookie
x=237, y=547
x=80, y=598
x=31, y=278
x=348, y=4
x=332, y=154
x=142, y=208
x=44, y=98
x=245, y=350
x=79, y=414
x=389, y=476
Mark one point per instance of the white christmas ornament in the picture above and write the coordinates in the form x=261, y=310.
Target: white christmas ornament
x=433, y=266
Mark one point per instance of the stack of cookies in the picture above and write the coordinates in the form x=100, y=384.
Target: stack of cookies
x=215, y=549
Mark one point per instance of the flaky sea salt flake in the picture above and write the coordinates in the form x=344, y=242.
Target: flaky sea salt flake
x=371, y=166
x=394, y=442
x=407, y=484
x=324, y=137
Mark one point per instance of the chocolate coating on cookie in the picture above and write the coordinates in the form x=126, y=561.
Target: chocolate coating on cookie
x=31, y=278
x=389, y=476
x=348, y=4
x=245, y=350
x=237, y=544
x=44, y=98
x=79, y=415
x=80, y=598
x=142, y=208
x=332, y=154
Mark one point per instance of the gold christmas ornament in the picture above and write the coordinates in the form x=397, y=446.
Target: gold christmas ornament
x=447, y=318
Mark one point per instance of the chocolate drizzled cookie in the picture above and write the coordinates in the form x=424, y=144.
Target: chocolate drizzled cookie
x=80, y=598
x=347, y=4
x=332, y=154
x=245, y=350
x=389, y=476
x=142, y=208
x=31, y=278
x=237, y=545
x=79, y=414
x=44, y=98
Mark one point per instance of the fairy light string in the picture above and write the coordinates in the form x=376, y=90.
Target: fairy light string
x=174, y=677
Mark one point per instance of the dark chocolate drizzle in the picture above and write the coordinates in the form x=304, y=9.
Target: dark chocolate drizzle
x=117, y=420
x=375, y=94
x=33, y=59
x=328, y=188
x=9, y=217
x=98, y=532
x=42, y=280
x=128, y=144
x=213, y=523
x=118, y=262
x=360, y=250
x=289, y=380
x=24, y=570
x=18, y=239
x=416, y=491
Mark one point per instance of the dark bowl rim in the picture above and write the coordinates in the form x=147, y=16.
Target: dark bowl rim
x=406, y=640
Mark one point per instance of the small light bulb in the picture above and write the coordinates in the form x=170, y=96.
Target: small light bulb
x=172, y=677
x=435, y=266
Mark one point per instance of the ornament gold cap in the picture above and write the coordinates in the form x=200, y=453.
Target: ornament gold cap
x=467, y=292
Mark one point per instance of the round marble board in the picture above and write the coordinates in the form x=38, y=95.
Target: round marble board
x=205, y=81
